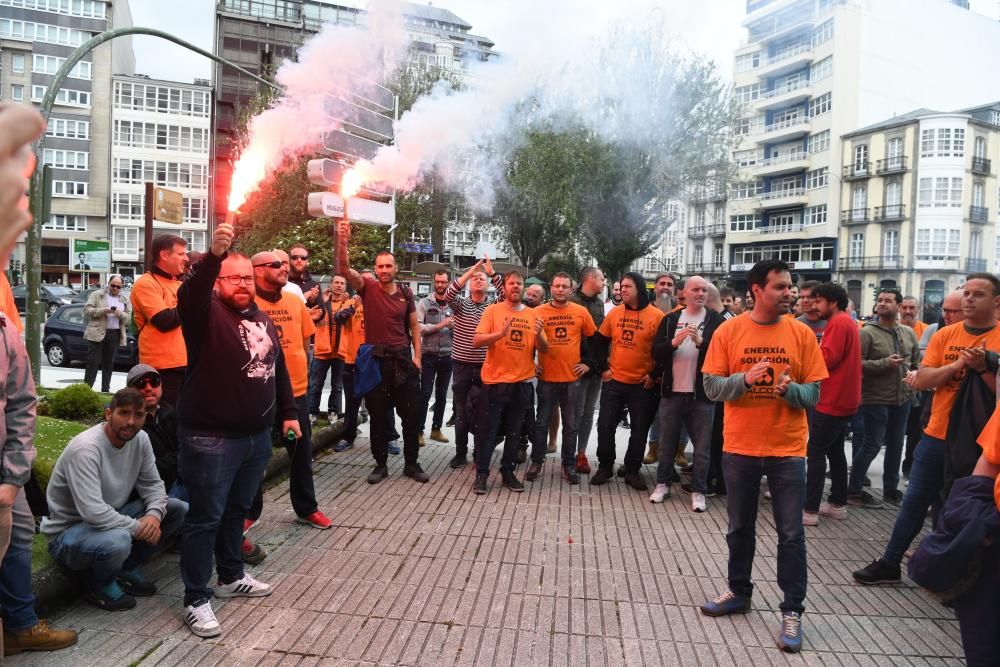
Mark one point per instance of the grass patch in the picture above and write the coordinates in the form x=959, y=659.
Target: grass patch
x=40, y=558
x=51, y=437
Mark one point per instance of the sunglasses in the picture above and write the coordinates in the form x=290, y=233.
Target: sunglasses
x=276, y=264
x=115, y=286
x=151, y=381
x=300, y=257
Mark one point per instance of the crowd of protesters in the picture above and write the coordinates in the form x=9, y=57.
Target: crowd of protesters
x=235, y=353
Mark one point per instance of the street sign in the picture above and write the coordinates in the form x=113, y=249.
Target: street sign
x=91, y=255
x=331, y=205
x=359, y=120
x=330, y=173
x=350, y=145
x=169, y=206
x=424, y=248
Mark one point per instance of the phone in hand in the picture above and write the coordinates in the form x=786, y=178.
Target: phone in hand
x=114, y=307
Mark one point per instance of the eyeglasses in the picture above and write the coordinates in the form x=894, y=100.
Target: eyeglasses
x=150, y=381
x=235, y=280
x=276, y=264
x=300, y=257
x=115, y=286
x=952, y=311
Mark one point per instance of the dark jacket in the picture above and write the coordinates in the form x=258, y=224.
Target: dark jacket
x=973, y=407
x=588, y=349
x=162, y=432
x=599, y=345
x=237, y=382
x=663, y=351
x=306, y=283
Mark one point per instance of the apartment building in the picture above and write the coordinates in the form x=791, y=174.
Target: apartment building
x=813, y=71
x=161, y=131
x=36, y=36
x=669, y=255
x=919, y=203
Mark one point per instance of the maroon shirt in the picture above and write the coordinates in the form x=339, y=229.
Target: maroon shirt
x=387, y=316
x=840, y=393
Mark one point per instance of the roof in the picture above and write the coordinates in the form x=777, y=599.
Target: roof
x=901, y=119
x=432, y=13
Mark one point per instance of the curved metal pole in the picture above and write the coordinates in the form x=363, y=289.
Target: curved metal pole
x=40, y=196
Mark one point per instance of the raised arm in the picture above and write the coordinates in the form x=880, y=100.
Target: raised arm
x=344, y=269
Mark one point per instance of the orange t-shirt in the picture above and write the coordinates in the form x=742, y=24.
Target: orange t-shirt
x=565, y=328
x=352, y=334
x=7, y=304
x=919, y=328
x=291, y=319
x=942, y=350
x=160, y=349
x=761, y=423
x=631, y=333
x=512, y=358
x=989, y=440
x=326, y=332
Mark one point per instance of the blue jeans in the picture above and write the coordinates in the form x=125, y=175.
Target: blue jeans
x=222, y=475
x=435, y=374
x=641, y=403
x=17, y=602
x=501, y=406
x=551, y=394
x=586, y=403
x=318, y=369
x=883, y=425
x=103, y=554
x=696, y=415
x=924, y=489
x=786, y=478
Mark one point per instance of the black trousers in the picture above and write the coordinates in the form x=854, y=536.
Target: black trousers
x=301, y=488
x=353, y=404
x=101, y=355
x=641, y=404
x=399, y=388
x=716, y=480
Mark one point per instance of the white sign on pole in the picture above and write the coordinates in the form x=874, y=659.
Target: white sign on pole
x=331, y=205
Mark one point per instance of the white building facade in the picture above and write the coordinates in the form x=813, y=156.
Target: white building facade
x=161, y=131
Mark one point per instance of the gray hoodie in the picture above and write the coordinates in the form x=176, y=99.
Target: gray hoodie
x=17, y=431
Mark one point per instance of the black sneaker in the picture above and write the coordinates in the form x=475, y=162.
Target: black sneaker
x=458, y=462
x=135, y=584
x=534, y=470
x=570, y=474
x=687, y=488
x=522, y=454
x=867, y=481
x=864, y=500
x=415, y=472
x=894, y=496
x=378, y=474
x=602, y=476
x=510, y=480
x=879, y=572
x=110, y=598
x=479, y=486
x=635, y=480
x=621, y=471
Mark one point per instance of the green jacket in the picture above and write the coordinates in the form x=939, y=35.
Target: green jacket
x=881, y=383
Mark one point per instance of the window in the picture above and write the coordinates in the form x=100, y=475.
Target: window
x=742, y=127
x=818, y=178
x=51, y=64
x=746, y=94
x=821, y=69
x=893, y=193
x=995, y=119
x=125, y=240
x=128, y=206
x=135, y=134
x=66, y=159
x=17, y=63
x=66, y=96
x=942, y=142
x=939, y=192
x=823, y=32
x=196, y=210
x=718, y=254
x=861, y=159
x=890, y=243
x=743, y=223
x=162, y=99
x=162, y=173
x=748, y=61
x=746, y=158
x=820, y=105
x=69, y=189
x=815, y=215
x=91, y=9
x=976, y=245
x=857, y=245
x=745, y=189
x=859, y=203
x=980, y=147
x=17, y=93
x=819, y=142
x=67, y=223
x=68, y=129
x=195, y=240
x=42, y=32
x=978, y=194
x=937, y=244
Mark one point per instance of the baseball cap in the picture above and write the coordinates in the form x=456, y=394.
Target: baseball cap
x=140, y=370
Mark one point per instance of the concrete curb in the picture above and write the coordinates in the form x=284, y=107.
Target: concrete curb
x=55, y=586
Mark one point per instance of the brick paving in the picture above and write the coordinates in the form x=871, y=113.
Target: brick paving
x=434, y=575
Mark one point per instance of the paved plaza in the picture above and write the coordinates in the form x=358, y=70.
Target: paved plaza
x=431, y=574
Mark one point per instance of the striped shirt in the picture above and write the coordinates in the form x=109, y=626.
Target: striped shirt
x=465, y=319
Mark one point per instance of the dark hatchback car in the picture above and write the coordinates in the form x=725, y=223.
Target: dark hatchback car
x=63, y=340
x=53, y=296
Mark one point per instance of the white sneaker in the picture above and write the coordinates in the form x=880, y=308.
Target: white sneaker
x=660, y=493
x=838, y=512
x=697, y=502
x=247, y=587
x=201, y=620
x=313, y=419
x=810, y=518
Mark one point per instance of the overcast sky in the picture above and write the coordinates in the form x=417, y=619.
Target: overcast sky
x=710, y=27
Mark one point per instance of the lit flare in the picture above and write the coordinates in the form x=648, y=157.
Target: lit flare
x=248, y=172
x=355, y=178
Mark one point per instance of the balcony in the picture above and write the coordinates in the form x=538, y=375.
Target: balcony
x=780, y=229
x=979, y=214
x=782, y=164
x=874, y=263
x=892, y=165
x=857, y=171
x=718, y=229
x=706, y=268
x=785, y=95
x=975, y=265
x=981, y=165
x=854, y=216
x=783, y=197
x=782, y=130
x=890, y=213
x=788, y=60
x=697, y=232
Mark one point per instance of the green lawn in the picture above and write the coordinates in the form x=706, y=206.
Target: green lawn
x=51, y=437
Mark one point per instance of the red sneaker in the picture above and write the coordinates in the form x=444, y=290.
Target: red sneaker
x=582, y=465
x=317, y=520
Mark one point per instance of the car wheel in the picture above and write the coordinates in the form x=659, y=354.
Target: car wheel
x=53, y=307
x=56, y=354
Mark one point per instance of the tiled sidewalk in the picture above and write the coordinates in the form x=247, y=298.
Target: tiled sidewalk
x=433, y=575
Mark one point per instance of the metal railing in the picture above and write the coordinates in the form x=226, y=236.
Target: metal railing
x=890, y=213
x=717, y=229
x=872, y=263
x=975, y=265
x=696, y=232
x=979, y=214
x=785, y=124
x=892, y=165
x=780, y=229
x=981, y=165
x=804, y=47
x=857, y=170
x=782, y=194
x=854, y=216
x=787, y=88
x=782, y=159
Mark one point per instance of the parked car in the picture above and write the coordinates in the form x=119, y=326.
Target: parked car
x=53, y=295
x=63, y=340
